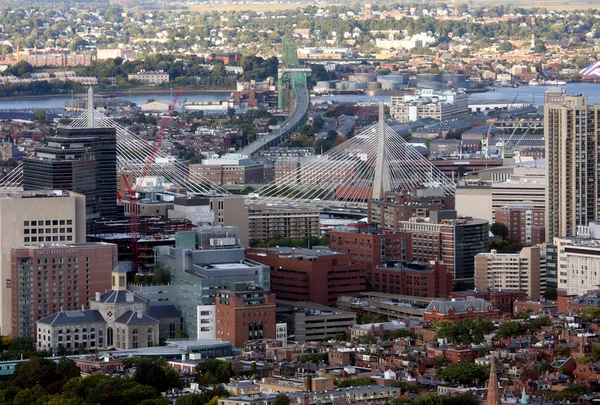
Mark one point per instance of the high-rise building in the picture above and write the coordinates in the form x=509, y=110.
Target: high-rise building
x=413, y=279
x=401, y=206
x=571, y=131
x=525, y=223
x=265, y=223
x=371, y=246
x=319, y=276
x=578, y=265
x=228, y=169
x=32, y=218
x=83, y=160
x=243, y=313
x=524, y=271
x=486, y=191
x=443, y=106
x=213, y=209
x=201, y=263
x=445, y=237
x=56, y=277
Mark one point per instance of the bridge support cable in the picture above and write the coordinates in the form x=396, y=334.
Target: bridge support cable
x=346, y=176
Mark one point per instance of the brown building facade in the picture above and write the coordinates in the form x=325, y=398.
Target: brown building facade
x=453, y=240
x=230, y=169
x=311, y=275
x=245, y=313
x=373, y=247
x=404, y=278
x=48, y=279
x=526, y=224
x=402, y=206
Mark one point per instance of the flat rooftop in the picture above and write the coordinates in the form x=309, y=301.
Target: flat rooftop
x=37, y=194
x=297, y=251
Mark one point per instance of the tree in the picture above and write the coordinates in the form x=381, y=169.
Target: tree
x=153, y=373
x=511, y=329
x=465, y=331
x=591, y=314
x=213, y=371
x=354, y=382
x=41, y=115
x=203, y=398
x=572, y=393
x=499, y=229
x=506, y=46
x=67, y=369
x=281, y=399
x=540, y=322
x=463, y=373
x=429, y=398
x=37, y=371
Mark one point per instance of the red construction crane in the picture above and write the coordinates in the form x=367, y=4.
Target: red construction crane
x=133, y=192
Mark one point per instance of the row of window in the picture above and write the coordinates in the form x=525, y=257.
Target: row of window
x=48, y=222
x=47, y=230
x=62, y=238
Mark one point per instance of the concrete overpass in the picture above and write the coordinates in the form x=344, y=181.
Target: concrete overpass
x=293, y=122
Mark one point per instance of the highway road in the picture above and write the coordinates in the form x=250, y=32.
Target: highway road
x=286, y=127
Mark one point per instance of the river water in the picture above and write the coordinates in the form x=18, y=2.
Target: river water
x=531, y=94
x=59, y=102
x=534, y=94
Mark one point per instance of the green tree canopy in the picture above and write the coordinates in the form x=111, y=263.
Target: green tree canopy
x=499, y=229
x=572, y=393
x=463, y=373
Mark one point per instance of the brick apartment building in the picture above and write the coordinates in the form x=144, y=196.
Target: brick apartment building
x=226, y=58
x=311, y=275
x=245, y=313
x=571, y=304
x=445, y=237
x=402, y=206
x=228, y=169
x=526, y=224
x=55, y=57
x=404, y=278
x=370, y=246
x=455, y=354
x=47, y=279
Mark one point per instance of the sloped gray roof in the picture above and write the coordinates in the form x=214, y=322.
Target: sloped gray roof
x=114, y=297
x=460, y=306
x=163, y=311
x=132, y=318
x=73, y=317
x=123, y=267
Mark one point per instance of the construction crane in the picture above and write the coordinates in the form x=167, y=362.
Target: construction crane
x=133, y=193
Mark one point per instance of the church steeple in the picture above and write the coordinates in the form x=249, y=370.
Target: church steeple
x=493, y=397
x=524, y=397
x=119, y=278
